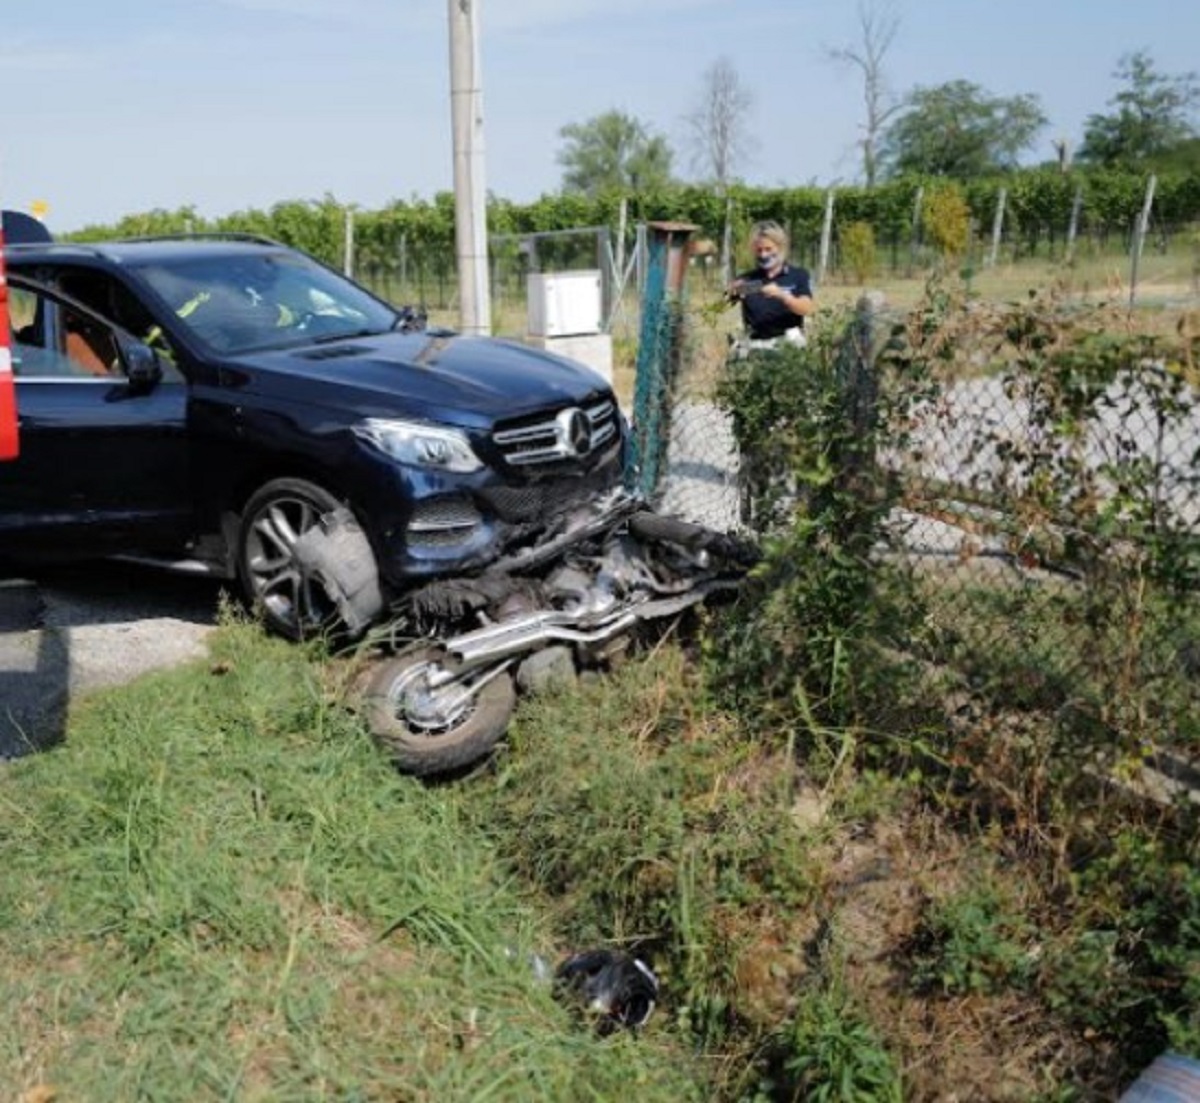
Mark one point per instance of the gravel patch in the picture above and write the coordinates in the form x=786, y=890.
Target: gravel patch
x=66, y=633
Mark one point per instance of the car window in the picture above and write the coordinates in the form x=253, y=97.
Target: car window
x=53, y=340
x=27, y=319
x=108, y=296
x=22, y=308
x=250, y=301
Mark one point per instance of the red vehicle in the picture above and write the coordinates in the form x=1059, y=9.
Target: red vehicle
x=15, y=229
x=8, y=395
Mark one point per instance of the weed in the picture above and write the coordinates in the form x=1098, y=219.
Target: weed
x=971, y=942
x=829, y=1053
x=1128, y=965
x=815, y=638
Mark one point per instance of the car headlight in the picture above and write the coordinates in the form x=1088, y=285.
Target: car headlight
x=420, y=444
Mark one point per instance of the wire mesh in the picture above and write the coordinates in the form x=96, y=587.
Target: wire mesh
x=698, y=475
x=1043, y=473
x=1048, y=509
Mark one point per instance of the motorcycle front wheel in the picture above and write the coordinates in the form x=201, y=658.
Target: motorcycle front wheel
x=428, y=730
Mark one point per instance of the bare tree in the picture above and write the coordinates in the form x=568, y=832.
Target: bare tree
x=718, y=127
x=878, y=24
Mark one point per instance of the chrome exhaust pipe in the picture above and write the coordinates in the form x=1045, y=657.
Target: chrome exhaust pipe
x=507, y=639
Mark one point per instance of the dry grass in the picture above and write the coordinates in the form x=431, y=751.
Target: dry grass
x=996, y=1046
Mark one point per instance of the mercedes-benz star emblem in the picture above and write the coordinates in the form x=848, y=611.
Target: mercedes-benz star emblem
x=574, y=432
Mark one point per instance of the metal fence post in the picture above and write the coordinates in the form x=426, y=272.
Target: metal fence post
x=348, y=247
x=1073, y=226
x=915, y=236
x=826, y=236
x=658, y=349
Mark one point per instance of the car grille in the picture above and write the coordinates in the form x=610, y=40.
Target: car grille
x=544, y=440
x=545, y=499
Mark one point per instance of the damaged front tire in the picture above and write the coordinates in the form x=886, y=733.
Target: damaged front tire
x=429, y=728
x=305, y=562
x=292, y=603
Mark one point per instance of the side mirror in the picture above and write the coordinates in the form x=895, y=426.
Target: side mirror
x=142, y=366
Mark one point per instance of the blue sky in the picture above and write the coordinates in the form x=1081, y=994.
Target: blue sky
x=125, y=106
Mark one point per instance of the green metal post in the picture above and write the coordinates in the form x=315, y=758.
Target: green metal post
x=658, y=350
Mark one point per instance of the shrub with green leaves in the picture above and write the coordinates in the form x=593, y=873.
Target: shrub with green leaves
x=858, y=250
x=810, y=635
x=971, y=942
x=947, y=220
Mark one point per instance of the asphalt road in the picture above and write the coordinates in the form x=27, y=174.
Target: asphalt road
x=66, y=632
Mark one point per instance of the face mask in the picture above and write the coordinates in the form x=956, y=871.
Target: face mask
x=767, y=261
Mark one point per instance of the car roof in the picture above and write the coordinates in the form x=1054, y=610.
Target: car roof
x=137, y=251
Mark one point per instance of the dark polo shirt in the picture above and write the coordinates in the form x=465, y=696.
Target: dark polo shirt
x=765, y=317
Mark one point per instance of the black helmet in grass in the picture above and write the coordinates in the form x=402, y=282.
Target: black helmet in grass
x=618, y=990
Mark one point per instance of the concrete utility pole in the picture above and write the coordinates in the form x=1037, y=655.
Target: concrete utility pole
x=470, y=192
x=826, y=236
x=997, y=228
x=1141, y=228
x=348, y=246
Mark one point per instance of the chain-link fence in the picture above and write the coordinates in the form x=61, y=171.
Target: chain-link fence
x=689, y=460
x=1047, y=503
x=1039, y=464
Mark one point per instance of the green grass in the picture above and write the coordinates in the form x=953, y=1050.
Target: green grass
x=217, y=889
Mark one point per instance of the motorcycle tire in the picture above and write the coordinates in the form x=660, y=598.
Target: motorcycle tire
x=432, y=745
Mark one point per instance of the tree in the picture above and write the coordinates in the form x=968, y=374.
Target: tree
x=1150, y=116
x=613, y=152
x=958, y=130
x=877, y=24
x=718, y=127
x=1183, y=158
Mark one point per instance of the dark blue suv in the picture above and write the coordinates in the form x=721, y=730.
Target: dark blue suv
x=230, y=405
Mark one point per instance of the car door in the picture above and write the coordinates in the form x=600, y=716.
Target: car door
x=103, y=465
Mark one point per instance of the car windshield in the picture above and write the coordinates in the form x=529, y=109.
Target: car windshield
x=255, y=301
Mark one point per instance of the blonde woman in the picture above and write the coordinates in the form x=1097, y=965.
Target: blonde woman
x=775, y=296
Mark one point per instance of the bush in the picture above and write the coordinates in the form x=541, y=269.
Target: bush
x=809, y=636
x=858, y=250
x=947, y=221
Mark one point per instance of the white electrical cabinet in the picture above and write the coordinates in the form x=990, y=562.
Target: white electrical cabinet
x=564, y=304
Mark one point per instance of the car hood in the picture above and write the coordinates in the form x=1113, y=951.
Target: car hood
x=469, y=381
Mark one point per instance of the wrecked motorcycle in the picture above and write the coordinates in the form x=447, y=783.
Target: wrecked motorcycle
x=458, y=650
